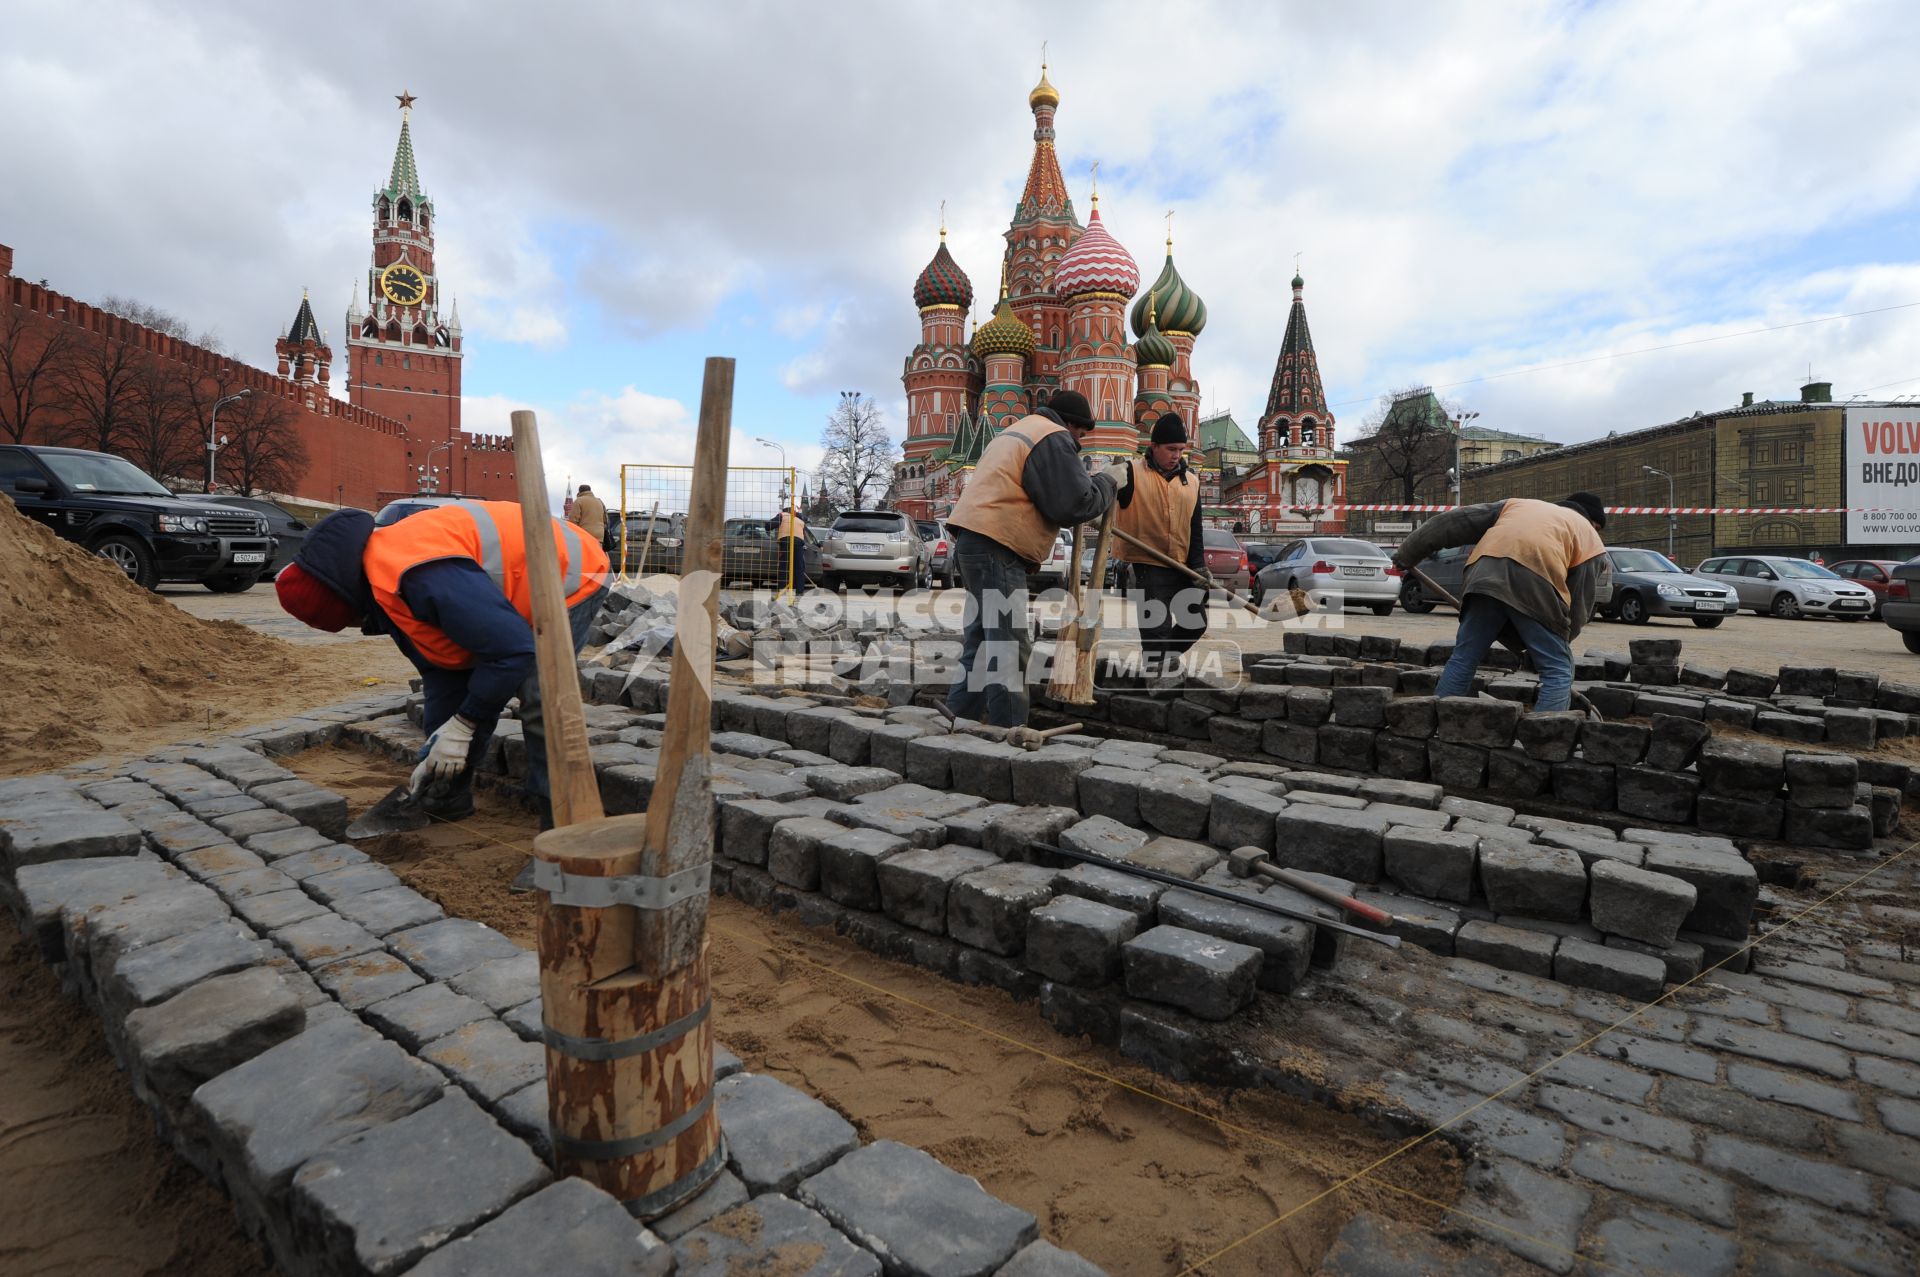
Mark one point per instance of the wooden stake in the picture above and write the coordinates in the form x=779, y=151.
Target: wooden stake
x=629, y=1041
x=1066, y=647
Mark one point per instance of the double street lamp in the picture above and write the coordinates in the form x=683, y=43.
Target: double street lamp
x=1672, y=518
x=213, y=420
x=1459, y=466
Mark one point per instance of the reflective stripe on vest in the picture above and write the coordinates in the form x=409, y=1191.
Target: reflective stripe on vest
x=1159, y=513
x=995, y=503
x=490, y=534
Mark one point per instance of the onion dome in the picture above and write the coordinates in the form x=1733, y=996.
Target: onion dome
x=1004, y=334
x=1044, y=94
x=1181, y=310
x=1153, y=349
x=1096, y=263
x=943, y=283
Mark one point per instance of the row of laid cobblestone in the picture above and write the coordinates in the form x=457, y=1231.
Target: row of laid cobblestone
x=363, y=1075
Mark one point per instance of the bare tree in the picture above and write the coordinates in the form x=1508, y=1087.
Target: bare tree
x=263, y=450
x=99, y=386
x=1407, y=446
x=161, y=321
x=33, y=351
x=159, y=436
x=859, y=453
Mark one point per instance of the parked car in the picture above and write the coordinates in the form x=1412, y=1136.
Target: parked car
x=658, y=539
x=1789, y=587
x=1226, y=560
x=1261, y=553
x=1052, y=572
x=1877, y=575
x=1647, y=584
x=289, y=533
x=877, y=547
x=1901, y=611
x=115, y=509
x=400, y=507
x=1339, y=572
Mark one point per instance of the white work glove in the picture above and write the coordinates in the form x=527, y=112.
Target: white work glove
x=446, y=752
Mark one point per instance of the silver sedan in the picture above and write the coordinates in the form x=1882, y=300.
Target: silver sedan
x=1335, y=572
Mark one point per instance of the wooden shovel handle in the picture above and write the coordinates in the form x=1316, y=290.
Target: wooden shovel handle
x=1168, y=561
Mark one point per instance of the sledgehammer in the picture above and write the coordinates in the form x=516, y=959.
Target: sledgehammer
x=1245, y=862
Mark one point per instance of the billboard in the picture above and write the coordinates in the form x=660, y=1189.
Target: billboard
x=1883, y=474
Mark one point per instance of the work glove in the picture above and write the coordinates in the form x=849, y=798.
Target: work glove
x=446, y=755
x=1120, y=474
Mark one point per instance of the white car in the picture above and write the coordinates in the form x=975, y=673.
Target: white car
x=1053, y=571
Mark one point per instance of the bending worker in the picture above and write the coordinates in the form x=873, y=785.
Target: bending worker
x=450, y=585
x=790, y=544
x=1029, y=484
x=1159, y=502
x=1533, y=574
x=589, y=514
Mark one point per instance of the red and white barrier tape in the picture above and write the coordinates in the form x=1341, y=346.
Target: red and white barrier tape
x=1310, y=511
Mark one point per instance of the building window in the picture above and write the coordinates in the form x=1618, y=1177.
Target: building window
x=1789, y=491
x=379, y=359
x=1762, y=491
x=406, y=361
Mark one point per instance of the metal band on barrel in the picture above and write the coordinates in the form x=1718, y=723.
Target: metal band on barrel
x=611, y=1049
x=614, y=1150
x=662, y=1200
x=637, y=891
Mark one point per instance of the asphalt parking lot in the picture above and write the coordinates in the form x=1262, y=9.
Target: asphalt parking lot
x=1759, y=642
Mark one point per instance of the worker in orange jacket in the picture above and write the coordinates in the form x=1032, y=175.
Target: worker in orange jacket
x=450, y=586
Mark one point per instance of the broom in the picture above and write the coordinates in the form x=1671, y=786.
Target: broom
x=1065, y=646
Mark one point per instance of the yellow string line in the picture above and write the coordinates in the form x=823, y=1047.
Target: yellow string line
x=1367, y=1171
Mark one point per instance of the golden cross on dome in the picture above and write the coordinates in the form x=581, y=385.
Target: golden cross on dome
x=943, y=219
x=1043, y=57
x=1169, y=232
x=1096, y=183
x=405, y=99
x=1296, y=263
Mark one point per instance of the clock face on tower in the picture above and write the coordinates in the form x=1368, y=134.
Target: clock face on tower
x=404, y=285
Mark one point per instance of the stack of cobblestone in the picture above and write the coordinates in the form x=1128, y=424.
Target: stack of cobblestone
x=364, y=1075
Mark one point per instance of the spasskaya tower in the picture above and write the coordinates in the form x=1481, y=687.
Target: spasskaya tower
x=403, y=333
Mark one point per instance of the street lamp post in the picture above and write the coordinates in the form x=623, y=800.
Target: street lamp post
x=213, y=420
x=1459, y=464
x=1673, y=519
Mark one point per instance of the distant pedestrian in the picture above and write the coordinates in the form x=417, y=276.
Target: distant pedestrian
x=1817, y=558
x=790, y=555
x=589, y=515
x=1534, y=571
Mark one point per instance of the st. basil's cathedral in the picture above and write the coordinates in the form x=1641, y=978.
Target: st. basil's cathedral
x=1061, y=322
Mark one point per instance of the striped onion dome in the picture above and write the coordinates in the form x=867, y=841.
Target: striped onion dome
x=1181, y=310
x=943, y=283
x=1096, y=264
x=1153, y=349
x=1004, y=334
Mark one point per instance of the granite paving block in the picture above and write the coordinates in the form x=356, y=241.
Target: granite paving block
x=1243, y=817
x=725, y=1192
x=1857, y=1245
x=101, y=935
x=267, y=1117
x=1659, y=1177
x=302, y=865
x=357, y=878
x=1537, y=881
x=314, y=942
x=969, y=828
x=1011, y=836
x=1675, y=742
x=1639, y=904
x=914, y=884
x=422, y=1014
x=1797, y=1089
x=252, y=882
x=1289, y=741
x=1371, y=1246
x=207, y=863
x=1049, y=776
x=1683, y=958
x=1347, y=844
x=261, y=820
x=1457, y=766
x=1780, y=1171
x=1285, y=944
x=156, y=972
x=1846, y=829
x=1534, y=1215
x=1638, y=976
x=443, y=949
x=206, y=1029
x=487, y=1059
x=1726, y=887
x=1176, y=856
x=77, y=831
x=793, y=850
x=378, y=1201
x=922, y=1218
x=771, y=1234
x=1647, y=793
x=848, y=864
x=1431, y=862
x=745, y=825
x=1509, y=948
x=1137, y=896
x=1472, y=721
x=1549, y=737
x=1613, y=744
x=366, y=978
x=1178, y=808
x=1201, y=974
x=569, y=1227
x=501, y=983
x=306, y=803
x=1412, y=717
x=776, y=1135
x=1772, y=1046
x=1076, y=941
x=1399, y=758
x=1749, y=770
x=1821, y=780
x=988, y=908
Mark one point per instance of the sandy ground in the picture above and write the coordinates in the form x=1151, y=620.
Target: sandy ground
x=1122, y=1165
x=85, y=1186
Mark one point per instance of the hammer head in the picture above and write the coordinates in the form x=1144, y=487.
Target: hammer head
x=1241, y=861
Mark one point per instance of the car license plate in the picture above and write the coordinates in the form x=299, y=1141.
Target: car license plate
x=1352, y=571
x=251, y=556
x=1850, y=603
x=1710, y=605
x=861, y=547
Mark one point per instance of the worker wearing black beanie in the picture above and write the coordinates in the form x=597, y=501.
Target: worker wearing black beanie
x=1159, y=503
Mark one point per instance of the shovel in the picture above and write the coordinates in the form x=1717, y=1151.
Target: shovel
x=398, y=813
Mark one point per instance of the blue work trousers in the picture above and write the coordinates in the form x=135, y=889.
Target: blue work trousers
x=996, y=643
x=1481, y=621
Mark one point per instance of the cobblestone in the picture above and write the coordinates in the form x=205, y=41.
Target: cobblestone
x=1784, y=1172
x=1655, y=1176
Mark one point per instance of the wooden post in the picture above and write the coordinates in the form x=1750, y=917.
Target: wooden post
x=627, y=1025
x=1066, y=643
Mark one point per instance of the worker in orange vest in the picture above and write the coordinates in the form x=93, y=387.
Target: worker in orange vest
x=450, y=585
x=1159, y=503
x=1030, y=483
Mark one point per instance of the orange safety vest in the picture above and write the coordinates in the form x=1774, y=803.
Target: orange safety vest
x=491, y=534
x=1548, y=540
x=1159, y=513
x=790, y=525
x=994, y=503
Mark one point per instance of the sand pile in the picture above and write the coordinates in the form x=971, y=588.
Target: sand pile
x=88, y=659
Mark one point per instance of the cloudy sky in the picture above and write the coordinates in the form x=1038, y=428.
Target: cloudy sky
x=622, y=189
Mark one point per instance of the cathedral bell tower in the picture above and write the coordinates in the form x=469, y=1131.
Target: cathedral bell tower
x=403, y=335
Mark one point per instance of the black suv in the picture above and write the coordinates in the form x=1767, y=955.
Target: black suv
x=114, y=508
